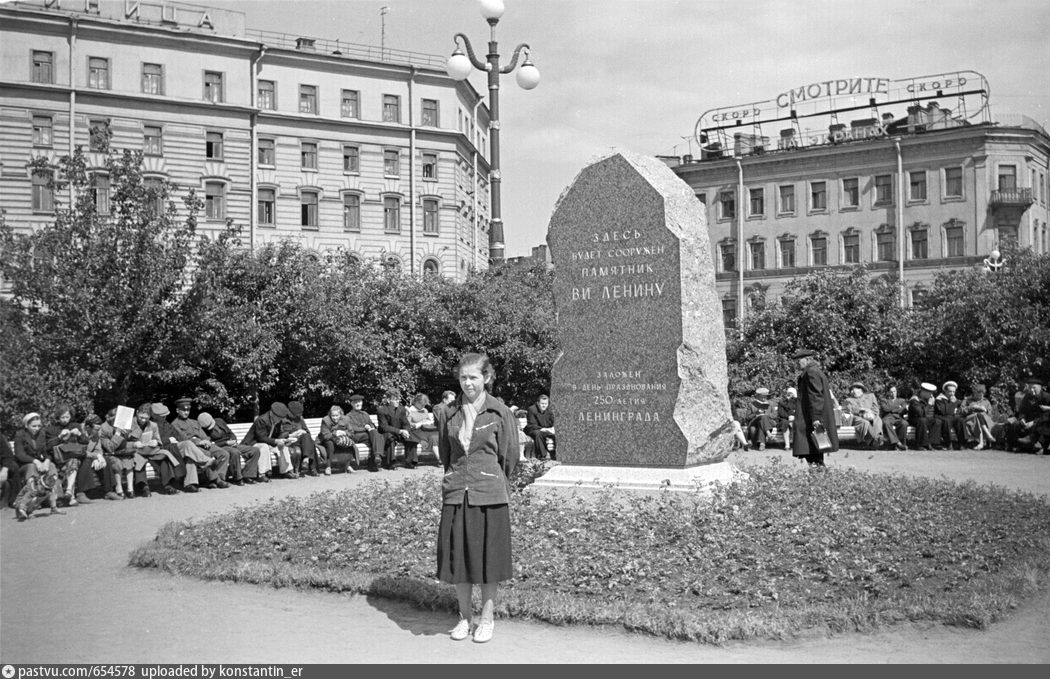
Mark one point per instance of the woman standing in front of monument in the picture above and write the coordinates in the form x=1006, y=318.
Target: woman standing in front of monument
x=478, y=446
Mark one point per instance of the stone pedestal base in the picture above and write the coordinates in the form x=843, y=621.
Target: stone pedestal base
x=701, y=479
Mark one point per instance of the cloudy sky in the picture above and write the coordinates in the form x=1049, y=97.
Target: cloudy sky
x=635, y=75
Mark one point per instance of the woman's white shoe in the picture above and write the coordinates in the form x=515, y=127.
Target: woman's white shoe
x=484, y=631
x=461, y=631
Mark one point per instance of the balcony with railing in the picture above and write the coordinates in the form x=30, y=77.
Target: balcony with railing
x=347, y=50
x=1017, y=198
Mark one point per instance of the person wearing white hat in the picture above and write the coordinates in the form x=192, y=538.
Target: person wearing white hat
x=947, y=419
x=920, y=414
x=30, y=452
x=894, y=413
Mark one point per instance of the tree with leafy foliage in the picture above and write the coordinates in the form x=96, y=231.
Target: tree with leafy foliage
x=849, y=317
x=986, y=327
x=972, y=326
x=97, y=289
x=507, y=312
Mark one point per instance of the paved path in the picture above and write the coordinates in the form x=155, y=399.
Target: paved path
x=67, y=595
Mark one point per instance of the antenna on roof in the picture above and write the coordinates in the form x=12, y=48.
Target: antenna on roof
x=382, y=35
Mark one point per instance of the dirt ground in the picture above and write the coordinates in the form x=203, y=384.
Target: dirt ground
x=67, y=596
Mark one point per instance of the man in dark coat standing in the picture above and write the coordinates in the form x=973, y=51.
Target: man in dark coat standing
x=814, y=406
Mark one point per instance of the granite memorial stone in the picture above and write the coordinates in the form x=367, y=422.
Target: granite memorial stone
x=641, y=380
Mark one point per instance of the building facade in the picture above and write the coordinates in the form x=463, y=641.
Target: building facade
x=338, y=146
x=909, y=196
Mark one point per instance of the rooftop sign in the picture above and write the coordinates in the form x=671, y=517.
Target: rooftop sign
x=966, y=93
x=163, y=13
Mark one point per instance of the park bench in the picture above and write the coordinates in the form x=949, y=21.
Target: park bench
x=239, y=429
x=847, y=434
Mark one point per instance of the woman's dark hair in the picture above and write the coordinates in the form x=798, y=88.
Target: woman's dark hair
x=420, y=400
x=480, y=360
x=977, y=389
x=61, y=409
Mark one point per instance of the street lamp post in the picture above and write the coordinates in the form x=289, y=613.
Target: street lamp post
x=993, y=263
x=460, y=66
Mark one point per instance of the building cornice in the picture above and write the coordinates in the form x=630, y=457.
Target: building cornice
x=986, y=133
x=163, y=100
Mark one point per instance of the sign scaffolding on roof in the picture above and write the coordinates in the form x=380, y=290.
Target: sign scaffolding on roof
x=809, y=113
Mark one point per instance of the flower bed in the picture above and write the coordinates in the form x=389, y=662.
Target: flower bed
x=787, y=552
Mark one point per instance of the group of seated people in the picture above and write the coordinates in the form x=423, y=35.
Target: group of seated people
x=59, y=463
x=942, y=420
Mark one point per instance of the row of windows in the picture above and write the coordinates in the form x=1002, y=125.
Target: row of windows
x=885, y=247
x=850, y=193
x=215, y=205
x=756, y=294
x=266, y=212
x=43, y=195
x=153, y=145
x=214, y=90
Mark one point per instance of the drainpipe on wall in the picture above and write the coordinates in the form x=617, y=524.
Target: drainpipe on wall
x=254, y=141
x=740, y=243
x=411, y=175
x=72, y=95
x=900, y=222
x=977, y=223
x=474, y=188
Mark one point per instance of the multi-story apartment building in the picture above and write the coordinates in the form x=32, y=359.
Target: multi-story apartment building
x=336, y=145
x=913, y=195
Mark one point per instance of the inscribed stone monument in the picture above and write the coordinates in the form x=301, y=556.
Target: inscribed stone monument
x=641, y=380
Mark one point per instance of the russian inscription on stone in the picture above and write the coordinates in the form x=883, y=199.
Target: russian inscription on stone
x=641, y=379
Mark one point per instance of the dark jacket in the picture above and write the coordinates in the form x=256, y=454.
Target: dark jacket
x=220, y=433
x=392, y=419
x=1029, y=410
x=944, y=408
x=72, y=446
x=535, y=420
x=6, y=452
x=893, y=406
x=330, y=428
x=813, y=403
x=292, y=423
x=919, y=409
x=359, y=421
x=28, y=448
x=481, y=471
x=785, y=409
x=264, y=430
x=167, y=432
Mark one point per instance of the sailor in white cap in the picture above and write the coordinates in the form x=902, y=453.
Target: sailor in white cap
x=920, y=415
x=948, y=420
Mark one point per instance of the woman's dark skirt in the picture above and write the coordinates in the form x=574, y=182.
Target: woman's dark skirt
x=474, y=544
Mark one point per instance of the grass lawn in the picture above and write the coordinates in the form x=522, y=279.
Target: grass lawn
x=790, y=551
